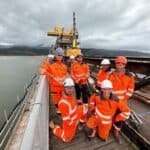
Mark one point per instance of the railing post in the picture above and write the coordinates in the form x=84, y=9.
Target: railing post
x=5, y=114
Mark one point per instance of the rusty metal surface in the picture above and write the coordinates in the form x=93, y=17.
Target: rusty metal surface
x=143, y=110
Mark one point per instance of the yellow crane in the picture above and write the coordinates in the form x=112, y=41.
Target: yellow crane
x=68, y=40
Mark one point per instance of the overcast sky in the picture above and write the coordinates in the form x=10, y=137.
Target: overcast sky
x=108, y=24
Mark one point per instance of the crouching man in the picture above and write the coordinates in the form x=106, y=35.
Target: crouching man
x=105, y=105
x=71, y=113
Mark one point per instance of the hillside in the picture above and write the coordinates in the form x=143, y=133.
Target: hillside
x=31, y=51
x=23, y=50
x=113, y=53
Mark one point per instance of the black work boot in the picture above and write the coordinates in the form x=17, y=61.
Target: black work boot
x=89, y=133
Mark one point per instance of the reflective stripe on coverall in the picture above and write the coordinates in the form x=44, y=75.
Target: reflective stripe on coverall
x=104, y=113
x=71, y=115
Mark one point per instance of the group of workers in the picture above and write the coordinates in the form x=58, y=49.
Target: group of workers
x=98, y=112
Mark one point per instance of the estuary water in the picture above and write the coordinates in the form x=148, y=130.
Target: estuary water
x=15, y=73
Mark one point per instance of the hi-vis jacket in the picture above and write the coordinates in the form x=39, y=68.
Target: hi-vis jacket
x=123, y=84
x=102, y=75
x=57, y=73
x=71, y=115
x=80, y=72
x=105, y=110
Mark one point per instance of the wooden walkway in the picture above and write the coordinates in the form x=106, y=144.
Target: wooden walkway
x=80, y=142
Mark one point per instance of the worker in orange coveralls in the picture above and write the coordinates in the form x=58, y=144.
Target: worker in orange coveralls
x=105, y=104
x=57, y=73
x=80, y=73
x=71, y=113
x=123, y=84
x=104, y=72
x=122, y=80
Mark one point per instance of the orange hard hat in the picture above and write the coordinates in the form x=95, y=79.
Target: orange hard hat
x=121, y=59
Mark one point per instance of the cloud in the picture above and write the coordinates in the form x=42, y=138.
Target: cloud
x=102, y=24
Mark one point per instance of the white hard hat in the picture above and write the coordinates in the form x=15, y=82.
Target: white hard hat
x=50, y=56
x=90, y=80
x=72, y=57
x=105, y=62
x=68, y=82
x=106, y=84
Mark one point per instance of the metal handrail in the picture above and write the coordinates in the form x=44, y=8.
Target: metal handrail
x=36, y=135
x=14, y=115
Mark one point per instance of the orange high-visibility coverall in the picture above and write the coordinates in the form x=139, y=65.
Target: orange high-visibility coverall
x=102, y=75
x=71, y=115
x=123, y=85
x=80, y=72
x=57, y=73
x=105, y=110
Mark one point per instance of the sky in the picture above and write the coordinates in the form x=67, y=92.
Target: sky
x=110, y=24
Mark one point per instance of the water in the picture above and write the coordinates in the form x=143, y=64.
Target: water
x=16, y=71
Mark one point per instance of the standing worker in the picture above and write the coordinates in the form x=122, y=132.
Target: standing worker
x=123, y=85
x=80, y=73
x=71, y=113
x=122, y=80
x=104, y=72
x=105, y=104
x=57, y=74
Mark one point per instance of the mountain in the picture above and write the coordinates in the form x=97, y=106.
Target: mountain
x=113, y=53
x=42, y=50
x=23, y=50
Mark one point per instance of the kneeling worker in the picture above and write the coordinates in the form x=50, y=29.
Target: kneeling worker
x=71, y=113
x=105, y=105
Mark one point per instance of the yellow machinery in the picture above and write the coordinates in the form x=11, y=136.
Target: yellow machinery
x=67, y=40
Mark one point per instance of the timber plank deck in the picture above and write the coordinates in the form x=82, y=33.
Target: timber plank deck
x=80, y=142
